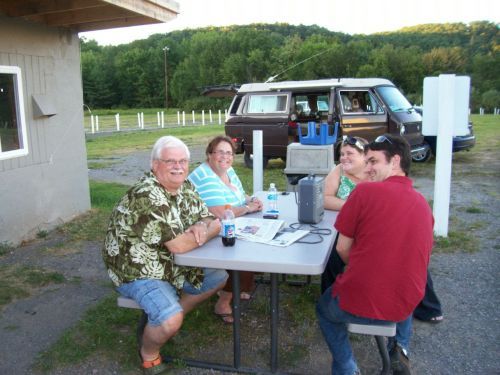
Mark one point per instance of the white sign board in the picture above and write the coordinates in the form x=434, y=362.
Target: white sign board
x=460, y=98
x=446, y=103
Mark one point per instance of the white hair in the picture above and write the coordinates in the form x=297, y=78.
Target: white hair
x=167, y=141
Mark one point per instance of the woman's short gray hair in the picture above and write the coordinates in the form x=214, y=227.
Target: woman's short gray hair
x=167, y=141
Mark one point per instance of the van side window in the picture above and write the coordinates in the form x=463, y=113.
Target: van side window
x=236, y=104
x=361, y=101
x=267, y=103
x=310, y=105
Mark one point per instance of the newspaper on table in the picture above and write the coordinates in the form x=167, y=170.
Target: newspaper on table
x=268, y=231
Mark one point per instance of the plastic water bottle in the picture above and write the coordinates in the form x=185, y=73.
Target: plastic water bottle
x=272, y=211
x=228, y=227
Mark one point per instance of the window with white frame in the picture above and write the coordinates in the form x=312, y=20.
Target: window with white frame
x=272, y=103
x=13, y=140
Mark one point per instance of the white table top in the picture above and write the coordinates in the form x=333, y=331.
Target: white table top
x=298, y=258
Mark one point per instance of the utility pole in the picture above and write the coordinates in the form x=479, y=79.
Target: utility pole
x=165, y=50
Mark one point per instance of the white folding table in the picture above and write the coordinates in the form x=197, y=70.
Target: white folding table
x=298, y=258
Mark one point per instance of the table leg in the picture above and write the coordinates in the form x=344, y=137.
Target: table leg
x=236, y=319
x=274, y=322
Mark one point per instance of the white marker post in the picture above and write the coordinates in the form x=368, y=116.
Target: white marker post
x=117, y=120
x=446, y=105
x=258, y=170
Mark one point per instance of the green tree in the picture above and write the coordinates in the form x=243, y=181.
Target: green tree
x=490, y=100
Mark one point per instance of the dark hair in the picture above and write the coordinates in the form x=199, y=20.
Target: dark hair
x=392, y=145
x=214, y=142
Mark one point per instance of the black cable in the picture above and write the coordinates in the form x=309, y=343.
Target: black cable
x=320, y=232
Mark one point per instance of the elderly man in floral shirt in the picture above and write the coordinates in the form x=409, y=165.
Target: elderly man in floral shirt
x=161, y=215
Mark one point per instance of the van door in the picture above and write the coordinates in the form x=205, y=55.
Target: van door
x=360, y=113
x=268, y=112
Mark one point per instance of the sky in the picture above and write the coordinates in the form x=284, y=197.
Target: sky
x=346, y=16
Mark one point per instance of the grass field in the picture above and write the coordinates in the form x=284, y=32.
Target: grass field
x=109, y=331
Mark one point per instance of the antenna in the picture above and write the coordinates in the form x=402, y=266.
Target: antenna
x=272, y=78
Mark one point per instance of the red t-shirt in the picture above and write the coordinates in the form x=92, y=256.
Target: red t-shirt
x=392, y=227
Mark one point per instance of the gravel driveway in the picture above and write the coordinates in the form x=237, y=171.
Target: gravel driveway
x=467, y=342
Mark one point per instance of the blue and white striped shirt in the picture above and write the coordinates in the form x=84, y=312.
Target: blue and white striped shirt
x=213, y=190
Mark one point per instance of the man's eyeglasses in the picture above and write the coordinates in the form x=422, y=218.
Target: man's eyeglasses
x=223, y=153
x=382, y=139
x=352, y=141
x=172, y=162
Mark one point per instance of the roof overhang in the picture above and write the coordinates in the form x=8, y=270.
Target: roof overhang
x=90, y=15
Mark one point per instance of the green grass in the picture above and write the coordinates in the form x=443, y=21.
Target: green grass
x=5, y=247
x=456, y=241
x=92, y=225
x=104, y=328
x=22, y=281
x=117, y=144
x=474, y=210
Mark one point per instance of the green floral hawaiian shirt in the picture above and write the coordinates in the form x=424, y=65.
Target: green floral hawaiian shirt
x=143, y=220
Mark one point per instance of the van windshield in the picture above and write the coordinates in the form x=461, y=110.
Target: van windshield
x=394, y=99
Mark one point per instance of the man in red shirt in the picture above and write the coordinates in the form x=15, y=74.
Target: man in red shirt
x=385, y=238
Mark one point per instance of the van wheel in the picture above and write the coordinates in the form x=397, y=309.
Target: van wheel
x=248, y=157
x=423, y=156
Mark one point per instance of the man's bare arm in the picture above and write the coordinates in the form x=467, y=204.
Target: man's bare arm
x=195, y=236
x=344, y=247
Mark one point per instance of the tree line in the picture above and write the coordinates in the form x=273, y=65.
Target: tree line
x=132, y=75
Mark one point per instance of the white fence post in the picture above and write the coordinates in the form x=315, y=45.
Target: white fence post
x=0, y=144
x=220, y=118
x=194, y=120
x=92, y=123
x=178, y=118
x=117, y=120
x=203, y=117
x=183, y=118
x=225, y=114
x=96, y=123
x=142, y=119
x=162, y=120
x=210, y=115
x=158, y=118
x=139, y=120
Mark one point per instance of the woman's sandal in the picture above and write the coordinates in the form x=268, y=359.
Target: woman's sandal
x=226, y=318
x=244, y=296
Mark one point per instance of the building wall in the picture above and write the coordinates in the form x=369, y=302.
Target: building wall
x=49, y=185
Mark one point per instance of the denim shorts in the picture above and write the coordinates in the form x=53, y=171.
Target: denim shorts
x=159, y=299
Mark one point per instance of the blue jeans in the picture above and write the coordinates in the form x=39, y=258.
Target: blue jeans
x=332, y=321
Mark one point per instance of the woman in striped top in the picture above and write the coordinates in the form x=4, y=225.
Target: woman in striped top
x=217, y=183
